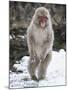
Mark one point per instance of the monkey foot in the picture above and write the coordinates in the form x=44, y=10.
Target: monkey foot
x=34, y=78
x=41, y=78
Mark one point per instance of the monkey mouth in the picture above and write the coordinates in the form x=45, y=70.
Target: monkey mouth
x=43, y=24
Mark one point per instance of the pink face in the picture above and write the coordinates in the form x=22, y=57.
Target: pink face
x=42, y=21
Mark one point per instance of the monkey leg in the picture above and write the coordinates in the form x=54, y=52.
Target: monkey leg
x=32, y=68
x=43, y=67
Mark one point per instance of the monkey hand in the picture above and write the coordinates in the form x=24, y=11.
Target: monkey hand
x=41, y=59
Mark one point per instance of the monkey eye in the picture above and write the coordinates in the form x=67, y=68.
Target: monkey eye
x=43, y=17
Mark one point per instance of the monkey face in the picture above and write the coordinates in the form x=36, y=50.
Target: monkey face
x=41, y=17
x=42, y=21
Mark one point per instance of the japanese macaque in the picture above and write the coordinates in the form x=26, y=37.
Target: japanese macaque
x=40, y=39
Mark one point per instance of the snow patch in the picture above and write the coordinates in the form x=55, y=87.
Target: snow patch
x=55, y=72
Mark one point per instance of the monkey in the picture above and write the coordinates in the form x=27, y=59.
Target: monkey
x=40, y=38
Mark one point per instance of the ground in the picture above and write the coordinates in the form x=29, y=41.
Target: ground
x=55, y=73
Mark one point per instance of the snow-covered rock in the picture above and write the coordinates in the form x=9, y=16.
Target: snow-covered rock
x=55, y=73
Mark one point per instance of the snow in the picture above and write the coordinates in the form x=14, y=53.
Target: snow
x=55, y=73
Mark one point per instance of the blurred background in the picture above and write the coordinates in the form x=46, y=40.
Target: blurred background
x=20, y=15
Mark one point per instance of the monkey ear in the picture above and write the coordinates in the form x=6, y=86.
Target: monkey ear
x=49, y=10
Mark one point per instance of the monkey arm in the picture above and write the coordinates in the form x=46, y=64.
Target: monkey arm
x=45, y=51
x=47, y=47
x=30, y=42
